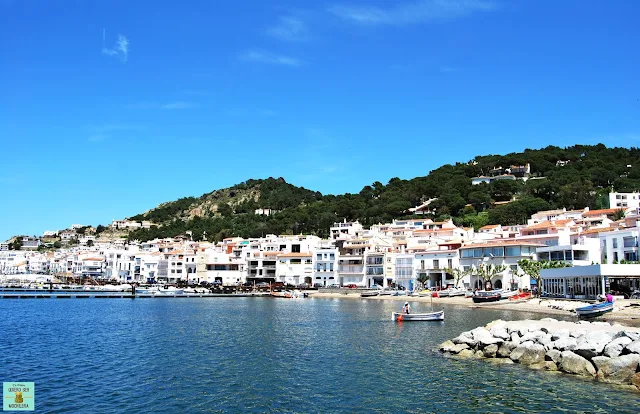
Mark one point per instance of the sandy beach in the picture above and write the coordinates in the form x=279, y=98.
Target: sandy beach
x=623, y=312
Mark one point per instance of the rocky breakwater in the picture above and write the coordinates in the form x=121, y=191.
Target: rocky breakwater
x=608, y=353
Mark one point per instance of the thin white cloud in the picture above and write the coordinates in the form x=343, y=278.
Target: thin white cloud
x=120, y=49
x=262, y=56
x=99, y=133
x=289, y=28
x=422, y=11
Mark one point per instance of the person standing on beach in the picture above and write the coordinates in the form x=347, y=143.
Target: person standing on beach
x=609, y=297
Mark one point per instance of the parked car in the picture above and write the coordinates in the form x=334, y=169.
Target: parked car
x=262, y=284
x=277, y=284
x=304, y=286
x=318, y=285
x=351, y=286
x=334, y=286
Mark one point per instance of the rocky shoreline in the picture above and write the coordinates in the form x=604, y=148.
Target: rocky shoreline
x=605, y=352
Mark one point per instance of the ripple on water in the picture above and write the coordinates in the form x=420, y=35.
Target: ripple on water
x=256, y=355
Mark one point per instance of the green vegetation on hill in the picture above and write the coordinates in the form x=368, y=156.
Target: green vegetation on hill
x=574, y=177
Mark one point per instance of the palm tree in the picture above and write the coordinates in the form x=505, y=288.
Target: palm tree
x=618, y=214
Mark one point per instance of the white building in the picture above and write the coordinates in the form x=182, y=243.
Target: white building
x=433, y=265
x=213, y=266
x=325, y=265
x=624, y=200
x=589, y=282
x=345, y=230
x=619, y=245
x=294, y=268
x=497, y=253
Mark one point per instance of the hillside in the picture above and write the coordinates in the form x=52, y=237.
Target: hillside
x=573, y=177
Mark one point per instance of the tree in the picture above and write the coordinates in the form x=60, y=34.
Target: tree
x=488, y=271
x=618, y=214
x=57, y=244
x=89, y=243
x=533, y=268
x=100, y=229
x=17, y=244
x=458, y=274
x=422, y=278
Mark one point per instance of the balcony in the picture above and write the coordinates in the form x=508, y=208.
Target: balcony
x=351, y=269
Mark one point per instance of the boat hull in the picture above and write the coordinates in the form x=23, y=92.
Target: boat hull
x=486, y=298
x=593, y=311
x=404, y=317
x=368, y=294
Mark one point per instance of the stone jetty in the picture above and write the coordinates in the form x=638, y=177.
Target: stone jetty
x=608, y=353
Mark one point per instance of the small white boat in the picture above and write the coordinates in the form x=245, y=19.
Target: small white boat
x=169, y=291
x=431, y=316
x=369, y=293
x=506, y=294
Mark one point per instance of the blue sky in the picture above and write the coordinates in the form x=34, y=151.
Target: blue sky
x=108, y=108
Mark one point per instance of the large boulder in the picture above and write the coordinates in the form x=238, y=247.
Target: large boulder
x=633, y=347
x=446, y=345
x=546, y=341
x=615, y=347
x=532, y=336
x=518, y=351
x=456, y=349
x=575, y=364
x=500, y=332
x=634, y=335
x=465, y=338
x=466, y=353
x=533, y=354
x=578, y=333
x=515, y=338
x=599, y=361
x=483, y=337
x=490, y=350
x=505, y=349
x=553, y=355
x=566, y=343
x=593, y=344
x=562, y=333
x=618, y=370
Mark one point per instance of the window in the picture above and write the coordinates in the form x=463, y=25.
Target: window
x=295, y=261
x=615, y=243
x=512, y=251
x=295, y=248
x=436, y=264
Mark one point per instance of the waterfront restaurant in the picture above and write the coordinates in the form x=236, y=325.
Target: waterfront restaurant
x=589, y=282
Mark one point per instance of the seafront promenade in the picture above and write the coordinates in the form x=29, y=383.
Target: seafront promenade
x=626, y=311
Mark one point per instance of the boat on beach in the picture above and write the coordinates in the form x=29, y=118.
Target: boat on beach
x=591, y=311
x=431, y=316
x=483, y=296
x=507, y=294
x=520, y=296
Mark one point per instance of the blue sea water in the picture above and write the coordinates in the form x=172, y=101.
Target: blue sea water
x=176, y=355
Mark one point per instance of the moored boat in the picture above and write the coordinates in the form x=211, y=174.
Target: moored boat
x=591, y=311
x=369, y=293
x=431, y=316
